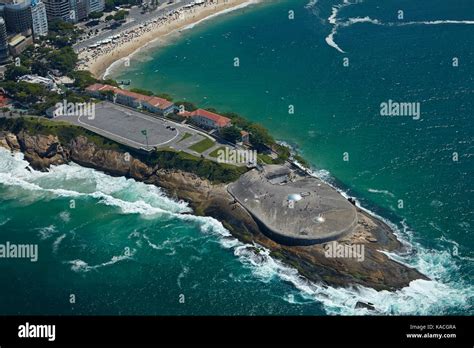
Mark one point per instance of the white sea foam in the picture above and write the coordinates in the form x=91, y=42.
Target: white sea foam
x=57, y=242
x=336, y=23
x=81, y=266
x=330, y=41
x=47, y=232
x=436, y=22
x=181, y=275
x=443, y=293
x=333, y=20
x=3, y=222
x=385, y=192
x=358, y=20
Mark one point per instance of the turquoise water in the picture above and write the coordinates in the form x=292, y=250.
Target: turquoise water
x=337, y=111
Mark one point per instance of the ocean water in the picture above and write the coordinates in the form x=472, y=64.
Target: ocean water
x=127, y=249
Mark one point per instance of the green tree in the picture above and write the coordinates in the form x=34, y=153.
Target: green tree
x=231, y=134
x=120, y=15
x=83, y=78
x=187, y=105
x=95, y=15
x=142, y=91
x=64, y=59
x=13, y=72
x=259, y=136
x=40, y=68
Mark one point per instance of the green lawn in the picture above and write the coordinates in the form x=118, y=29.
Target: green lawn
x=265, y=158
x=185, y=136
x=203, y=145
x=215, y=153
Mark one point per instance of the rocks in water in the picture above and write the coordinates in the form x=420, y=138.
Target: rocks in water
x=367, y=305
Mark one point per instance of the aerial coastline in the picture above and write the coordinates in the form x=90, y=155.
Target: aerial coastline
x=105, y=146
x=100, y=59
x=141, y=125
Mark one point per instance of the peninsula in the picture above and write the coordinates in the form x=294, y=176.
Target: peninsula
x=269, y=199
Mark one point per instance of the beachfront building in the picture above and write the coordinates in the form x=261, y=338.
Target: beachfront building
x=40, y=19
x=79, y=10
x=135, y=100
x=58, y=9
x=96, y=5
x=209, y=120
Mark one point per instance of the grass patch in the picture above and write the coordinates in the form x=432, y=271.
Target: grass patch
x=215, y=172
x=185, y=136
x=202, y=146
x=215, y=153
x=265, y=158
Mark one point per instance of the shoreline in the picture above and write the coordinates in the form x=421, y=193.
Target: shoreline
x=377, y=271
x=102, y=61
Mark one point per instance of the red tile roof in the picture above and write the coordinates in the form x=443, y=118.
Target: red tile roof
x=4, y=101
x=221, y=121
x=154, y=101
x=157, y=101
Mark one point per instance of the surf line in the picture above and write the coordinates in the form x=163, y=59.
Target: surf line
x=357, y=20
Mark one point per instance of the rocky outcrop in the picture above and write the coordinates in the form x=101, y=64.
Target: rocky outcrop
x=376, y=270
x=41, y=151
x=9, y=141
x=113, y=162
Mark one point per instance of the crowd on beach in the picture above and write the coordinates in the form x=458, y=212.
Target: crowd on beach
x=89, y=55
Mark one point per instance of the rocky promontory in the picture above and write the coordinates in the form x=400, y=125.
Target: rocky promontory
x=209, y=199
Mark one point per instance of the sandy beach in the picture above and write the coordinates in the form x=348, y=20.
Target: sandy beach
x=98, y=60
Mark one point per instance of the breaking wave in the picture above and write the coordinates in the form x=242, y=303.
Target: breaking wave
x=443, y=294
x=336, y=23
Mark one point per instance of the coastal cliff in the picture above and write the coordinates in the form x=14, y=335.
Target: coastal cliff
x=209, y=199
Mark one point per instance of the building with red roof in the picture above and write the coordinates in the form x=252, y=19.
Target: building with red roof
x=136, y=100
x=207, y=119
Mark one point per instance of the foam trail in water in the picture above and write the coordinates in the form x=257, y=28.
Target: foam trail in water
x=82, y=266
x=336, y=24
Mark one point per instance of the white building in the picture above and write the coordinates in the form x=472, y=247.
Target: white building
x=40, y=19
x=45, y=81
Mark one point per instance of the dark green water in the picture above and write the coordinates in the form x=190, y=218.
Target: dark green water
x=337, y=110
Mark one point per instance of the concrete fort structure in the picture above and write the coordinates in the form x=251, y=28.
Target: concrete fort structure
x=294, y=209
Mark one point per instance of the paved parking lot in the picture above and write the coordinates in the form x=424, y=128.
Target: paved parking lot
x=127, y=126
